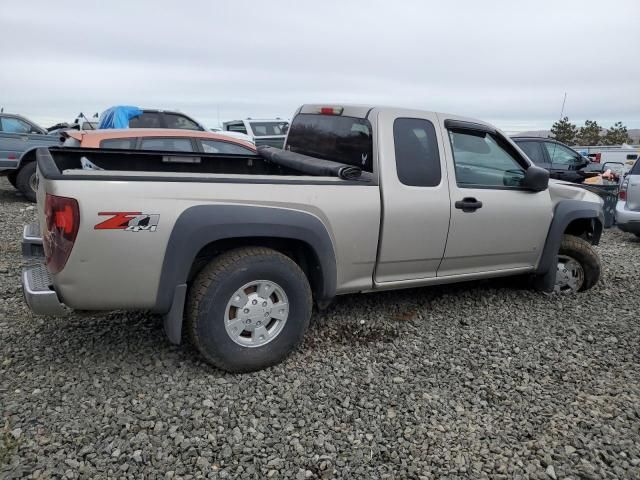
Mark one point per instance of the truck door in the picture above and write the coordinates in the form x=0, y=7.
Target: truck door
x=415, y=196
x=495, y=223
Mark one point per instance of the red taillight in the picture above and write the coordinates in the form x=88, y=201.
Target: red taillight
x=598, y=157
x=62, y=217
x=622, y=193
x=331, y=110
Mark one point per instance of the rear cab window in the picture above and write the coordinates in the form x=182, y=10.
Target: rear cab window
x=342, y=139
x=416, y=151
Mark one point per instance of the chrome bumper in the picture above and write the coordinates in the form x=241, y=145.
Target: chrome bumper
x=39, y=293
x=36, y=280
x=32, y=242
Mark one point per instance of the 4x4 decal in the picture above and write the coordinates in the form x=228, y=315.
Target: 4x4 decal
x=129, y=221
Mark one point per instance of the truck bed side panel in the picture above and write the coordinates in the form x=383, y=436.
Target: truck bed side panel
x=124, y=267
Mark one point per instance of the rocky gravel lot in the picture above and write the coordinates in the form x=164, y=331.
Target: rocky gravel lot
x=483, y=380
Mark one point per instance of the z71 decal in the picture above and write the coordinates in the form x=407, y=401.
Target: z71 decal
x=129, y=221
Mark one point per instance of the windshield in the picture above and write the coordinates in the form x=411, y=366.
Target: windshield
x=333, y=137
x=264, y=129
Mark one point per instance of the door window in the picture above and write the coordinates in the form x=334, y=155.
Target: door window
x=236, y=127
x=180, y=122
x=167, y=144
x=560, y=154
x=533, y=151
x=483, y=159
x=13, y=125
x=416, y=148
x=215, y=146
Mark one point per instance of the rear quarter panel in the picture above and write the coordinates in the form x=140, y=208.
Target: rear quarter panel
x=110, y=269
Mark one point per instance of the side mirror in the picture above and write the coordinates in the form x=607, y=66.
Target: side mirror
x=536, y=179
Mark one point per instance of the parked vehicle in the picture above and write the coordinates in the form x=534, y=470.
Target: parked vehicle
x=362, y=199
x=19, y=138
x=563, y=162
x=163, y=139
x=628, y=206
x=80, y=123
x=149, y=118
x=271, y=132
x=627, y=154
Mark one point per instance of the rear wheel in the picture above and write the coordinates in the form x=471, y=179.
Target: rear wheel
x=27, y=181
x=248, y=309
x=578, y=267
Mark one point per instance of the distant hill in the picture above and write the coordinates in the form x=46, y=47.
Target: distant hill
x=634, y=133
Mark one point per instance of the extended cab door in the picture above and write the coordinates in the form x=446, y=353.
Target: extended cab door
x=415, y=196
x=495, y=223
x=565, y=162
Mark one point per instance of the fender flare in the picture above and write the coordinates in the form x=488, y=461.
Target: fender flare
x=565, y=212
x=25, y=153
x=201, y=225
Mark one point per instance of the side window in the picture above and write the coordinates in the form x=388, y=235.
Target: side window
x=237, y=127
x=180, y=122
x=215, y=146
x=533, y=151
x=417, y=156
x=483, y=159
x=122, y=143
x=167, y=144
x=560, y=154
x=146, y=120
x=13, y=125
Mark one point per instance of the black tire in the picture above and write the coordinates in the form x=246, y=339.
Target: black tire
x=12, y=179
x=214, y=286
x=25, y=180
x=582, y=251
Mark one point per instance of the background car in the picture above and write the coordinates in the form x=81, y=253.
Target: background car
x=269, y=132
x=563, y=162
x=19, y=138
x=170, y=140
x=628, y=206
x=151, y=118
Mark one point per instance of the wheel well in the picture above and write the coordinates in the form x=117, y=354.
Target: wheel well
x=300, y=252
x=589, y=229
x=27, y=157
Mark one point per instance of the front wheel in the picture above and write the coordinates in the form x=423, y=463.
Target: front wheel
x=27, y=181
x=248, y=309
x=578, y=266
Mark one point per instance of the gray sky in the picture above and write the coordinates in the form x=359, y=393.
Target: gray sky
x=509, y=64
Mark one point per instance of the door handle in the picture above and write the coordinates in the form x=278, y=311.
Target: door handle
x=468, y=204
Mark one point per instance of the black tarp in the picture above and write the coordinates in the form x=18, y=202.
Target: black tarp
x=310, y=165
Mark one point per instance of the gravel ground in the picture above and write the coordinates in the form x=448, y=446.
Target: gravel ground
x=480, y=380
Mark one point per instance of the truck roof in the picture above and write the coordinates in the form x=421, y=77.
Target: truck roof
x=363, y=111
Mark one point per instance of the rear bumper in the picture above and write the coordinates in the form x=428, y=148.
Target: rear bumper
x=37, y=285
x=38, y=291
x=32, y=242
x=627, y=220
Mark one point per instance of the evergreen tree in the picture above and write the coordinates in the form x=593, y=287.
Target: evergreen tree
x=617, y=135
x=590, y=133
x=564, y=131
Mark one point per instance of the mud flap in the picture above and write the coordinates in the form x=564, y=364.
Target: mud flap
x=173, y=319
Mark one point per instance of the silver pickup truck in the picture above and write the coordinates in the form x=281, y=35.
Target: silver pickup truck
x=234, y=251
